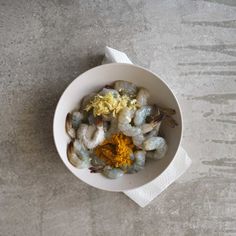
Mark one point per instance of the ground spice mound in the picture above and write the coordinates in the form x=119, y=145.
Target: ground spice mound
x=116, y=150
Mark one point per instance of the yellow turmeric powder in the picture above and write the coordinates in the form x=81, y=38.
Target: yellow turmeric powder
x=116, y=150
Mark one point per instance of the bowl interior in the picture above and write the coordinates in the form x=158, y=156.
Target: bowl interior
x=91, y=81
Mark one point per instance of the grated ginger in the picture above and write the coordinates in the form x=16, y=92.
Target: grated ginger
x=116, y=151
x=104, y=105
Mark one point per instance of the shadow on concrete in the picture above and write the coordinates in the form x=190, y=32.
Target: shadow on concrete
x=46, y=98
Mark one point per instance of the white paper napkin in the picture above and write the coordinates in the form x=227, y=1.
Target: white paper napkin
x=145, y=194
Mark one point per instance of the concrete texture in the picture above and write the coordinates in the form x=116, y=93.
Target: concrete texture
x=46, y=44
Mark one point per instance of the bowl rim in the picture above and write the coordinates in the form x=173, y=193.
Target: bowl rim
x=129, y=65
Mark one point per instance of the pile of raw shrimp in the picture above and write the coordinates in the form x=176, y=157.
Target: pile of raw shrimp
x=120, y=110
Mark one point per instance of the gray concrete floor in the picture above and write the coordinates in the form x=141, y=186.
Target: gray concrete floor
x=46, y=44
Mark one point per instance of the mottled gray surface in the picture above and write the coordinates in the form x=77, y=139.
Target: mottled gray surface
x=45, y=44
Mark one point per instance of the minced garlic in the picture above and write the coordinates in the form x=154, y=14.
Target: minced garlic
x=104, y=105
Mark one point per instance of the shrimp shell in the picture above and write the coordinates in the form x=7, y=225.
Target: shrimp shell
x=170, y=121
x=69, y=129
x=146, y=128
x=167, y=111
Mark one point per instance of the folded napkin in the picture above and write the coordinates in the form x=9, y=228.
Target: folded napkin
x=145, y=194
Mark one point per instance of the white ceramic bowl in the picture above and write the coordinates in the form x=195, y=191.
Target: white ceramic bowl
x=96, y=78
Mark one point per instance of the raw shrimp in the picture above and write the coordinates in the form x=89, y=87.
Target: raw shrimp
x=153, y=143
x=153, y=121
x=145, y=128
x=105, y=91
x=159, y=153
x=112, y=173
x=76, y=118
x=95, y=161
x=91, y=139
x=142, y=97
x=139, y=120
x=139, y=162
x=73, y=121
x=86, y=99
x=77, y=155
x=141, y=115
x=138, y=139
x=124, y=119
x=157, y=146
x=125, y=87
x=97, y=138
x=94, y=140
x=80, y=149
